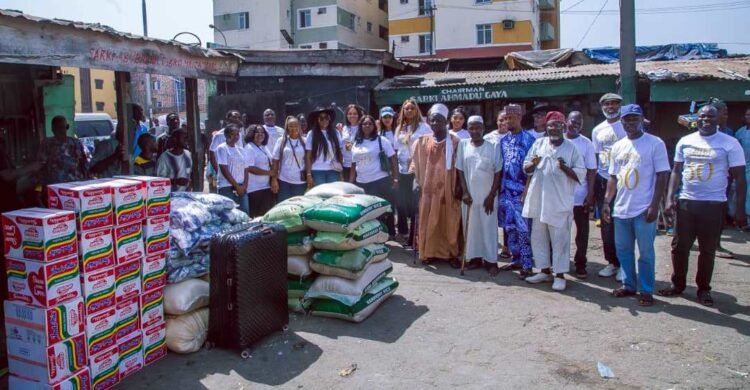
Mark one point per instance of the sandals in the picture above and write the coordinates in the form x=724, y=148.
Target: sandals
x=492, y=269
x=646, y=300
x=505, y=254
x=669, y=292
x=704, y=298
x=623, y=292
x=525, y=273
x=511, y=267
x=474, y=264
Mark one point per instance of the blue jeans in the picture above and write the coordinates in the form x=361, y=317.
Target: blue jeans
x=288, y=190
x=240, y=200
x=628, y=232
x=329, y=176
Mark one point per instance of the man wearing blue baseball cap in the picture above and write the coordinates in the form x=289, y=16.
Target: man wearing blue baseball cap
x=638, y=173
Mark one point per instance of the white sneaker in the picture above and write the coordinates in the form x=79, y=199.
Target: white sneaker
x=620, y=275
x=609, y=271
x=559, y=284
x=539, y=278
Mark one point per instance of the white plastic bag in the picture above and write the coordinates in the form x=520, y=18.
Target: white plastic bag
x=188, y=332
x=186, y=296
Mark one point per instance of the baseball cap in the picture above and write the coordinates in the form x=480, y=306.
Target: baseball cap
x=610, y=96
x=387, y=111
x=631, y=109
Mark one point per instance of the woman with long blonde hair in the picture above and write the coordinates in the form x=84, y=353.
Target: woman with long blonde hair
x=289, y=161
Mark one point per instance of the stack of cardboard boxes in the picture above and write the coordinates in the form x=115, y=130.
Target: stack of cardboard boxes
x=116, y=271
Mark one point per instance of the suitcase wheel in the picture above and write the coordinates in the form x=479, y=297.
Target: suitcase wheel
x=285, y=328
x=245, y=353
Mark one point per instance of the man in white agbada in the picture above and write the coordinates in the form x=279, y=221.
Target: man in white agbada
x=479, y=164
x=556, y=169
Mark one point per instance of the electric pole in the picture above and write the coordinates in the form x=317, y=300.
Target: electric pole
x=628, y=80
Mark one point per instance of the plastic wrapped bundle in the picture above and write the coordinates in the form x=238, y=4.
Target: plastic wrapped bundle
x=215, y=202
x=336, y=188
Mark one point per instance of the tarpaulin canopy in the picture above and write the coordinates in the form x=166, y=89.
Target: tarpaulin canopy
x=537, y=59
x=675, y=51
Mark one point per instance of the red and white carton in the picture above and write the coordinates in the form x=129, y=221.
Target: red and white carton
x=47, y=364
x=99, y=290
x=101, y=330
x=128, y=317
x=156, y=234
x=91, y=201
x=97, y=249
x=42, y=326
x=129, y=242
x=81, y=380
x=152, y=308
x=43, y=284
x=39, y=234
x=128, y=280
x=157, y=192
x=131, y=354
x=154, y=272
x=154, y=343
x=128, y=200
x=105, y=369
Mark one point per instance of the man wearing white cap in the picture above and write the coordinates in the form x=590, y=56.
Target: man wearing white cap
x=433, y=164
x=479, y=164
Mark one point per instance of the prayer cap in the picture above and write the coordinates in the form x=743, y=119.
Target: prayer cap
x=475, y=119
x=513, y=109
x=438, y=108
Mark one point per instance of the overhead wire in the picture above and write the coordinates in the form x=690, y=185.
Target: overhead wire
x=592, y=24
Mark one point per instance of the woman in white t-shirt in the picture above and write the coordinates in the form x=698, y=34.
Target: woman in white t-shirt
x=289, y=161
x=259, y=192
x=458, y=120
x=232, y=161
x=323, y=147
x=387, y=124
x=374, y=166
x=348, y=131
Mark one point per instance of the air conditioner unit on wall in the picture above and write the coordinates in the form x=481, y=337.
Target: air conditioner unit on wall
x=404, y=38
x=508, y=24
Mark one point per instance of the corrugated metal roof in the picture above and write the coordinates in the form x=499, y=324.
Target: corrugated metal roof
x=719, y=69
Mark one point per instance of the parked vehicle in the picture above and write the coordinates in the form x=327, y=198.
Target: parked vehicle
x=92, y=128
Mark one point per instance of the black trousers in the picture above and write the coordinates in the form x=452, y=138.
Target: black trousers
x=581, y=219
x=260, y=202
x=702, y=220
x=406, y=206
x=382, y=188
x=607, y=229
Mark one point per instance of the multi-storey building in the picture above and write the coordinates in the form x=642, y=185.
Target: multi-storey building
x=94, y=90
x=305, y=24
x=472, y=28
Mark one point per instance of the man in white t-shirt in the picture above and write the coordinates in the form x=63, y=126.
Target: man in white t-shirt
x=703, y=161
x=603, y=137
x=638, y=174
x=269, y=124
x=584, y=195
x=232, y=117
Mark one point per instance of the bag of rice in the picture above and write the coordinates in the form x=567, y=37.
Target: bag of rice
x=186, y=296
x=298, y=266
x=370, y=232
x=348, y=291
x=187, y=333
x=297, y=287
x=299, y=243
x=345, y=212
x=289, y=212
x=336, y=188
x=360, y=310
x=348, y=264
x=298, y=305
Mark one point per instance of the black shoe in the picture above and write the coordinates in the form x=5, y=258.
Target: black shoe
x=581, y=273
x=704, y=298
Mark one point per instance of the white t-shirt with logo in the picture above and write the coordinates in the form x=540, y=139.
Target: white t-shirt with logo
x=586, y=150
x=404, y=146
x=365, y=156
x=274, y=133
x=636, y=163
x=219, y=138
x=603, y=137
x=322, y=163
x=706, y=164
x=292, y=162
x=235, y=158
x=260, y=157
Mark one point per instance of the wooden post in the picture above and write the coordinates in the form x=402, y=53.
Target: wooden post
x=125, y=132
x=192, y=112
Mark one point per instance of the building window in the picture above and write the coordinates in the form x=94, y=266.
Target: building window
x=425, y=7
x=346, y=19
x=404, y=38
x=305, y=46
x=369, y=27
x=156, y=85
x=244, y=22
x=383, y=32
x=404, y=1
x=235, y=21
x=425, y=43
x=304, y=19
x=480, y=2
x=98, y=84
x=383, y=5
x=322, y=10
x=99, y=106
x=484, y=34
x=323, y=45
x=158, y=104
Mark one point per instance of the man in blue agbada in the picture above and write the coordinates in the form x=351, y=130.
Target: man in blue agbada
x=514, y=148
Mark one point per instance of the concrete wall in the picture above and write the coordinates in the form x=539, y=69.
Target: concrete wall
x=105, y=95
x=266, y=19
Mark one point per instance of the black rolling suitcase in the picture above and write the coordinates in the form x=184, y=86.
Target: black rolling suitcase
x=248, y=285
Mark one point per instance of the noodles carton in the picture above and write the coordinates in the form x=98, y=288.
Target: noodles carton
x=99, y=290
x=128, y=318
x=131, y=354
x=97, y=249
x=105, y=369
x=47, y=364
x=152, y=308
x=100, y=330
x=39, y=234
x=156, y=234
x=43, y=284
x=154, y=343
x=91, y=202
x=127, y=199
x=81, y=380
x=128, y=280
x=34, y=325
x=128, y=242
x=157, y=191
x=154, y=271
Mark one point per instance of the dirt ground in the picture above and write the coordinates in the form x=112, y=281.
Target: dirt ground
x=442, y=330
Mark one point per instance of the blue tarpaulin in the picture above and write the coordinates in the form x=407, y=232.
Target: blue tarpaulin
x=675, y=51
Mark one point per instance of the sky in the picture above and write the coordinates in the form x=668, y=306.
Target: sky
x=677, y=21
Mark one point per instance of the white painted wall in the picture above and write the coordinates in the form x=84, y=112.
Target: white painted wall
x=267, y=18
x=397, y=11
x=365, y=11
x=326, y=19
x=316, y=45
x=407, y=49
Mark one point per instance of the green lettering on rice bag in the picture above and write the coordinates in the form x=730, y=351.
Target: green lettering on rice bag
x=349, y=291
x=370, y=232
x=348, y=264
x=345, y=212
x=360, y=310
x=289, y=212
x=299, y=243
